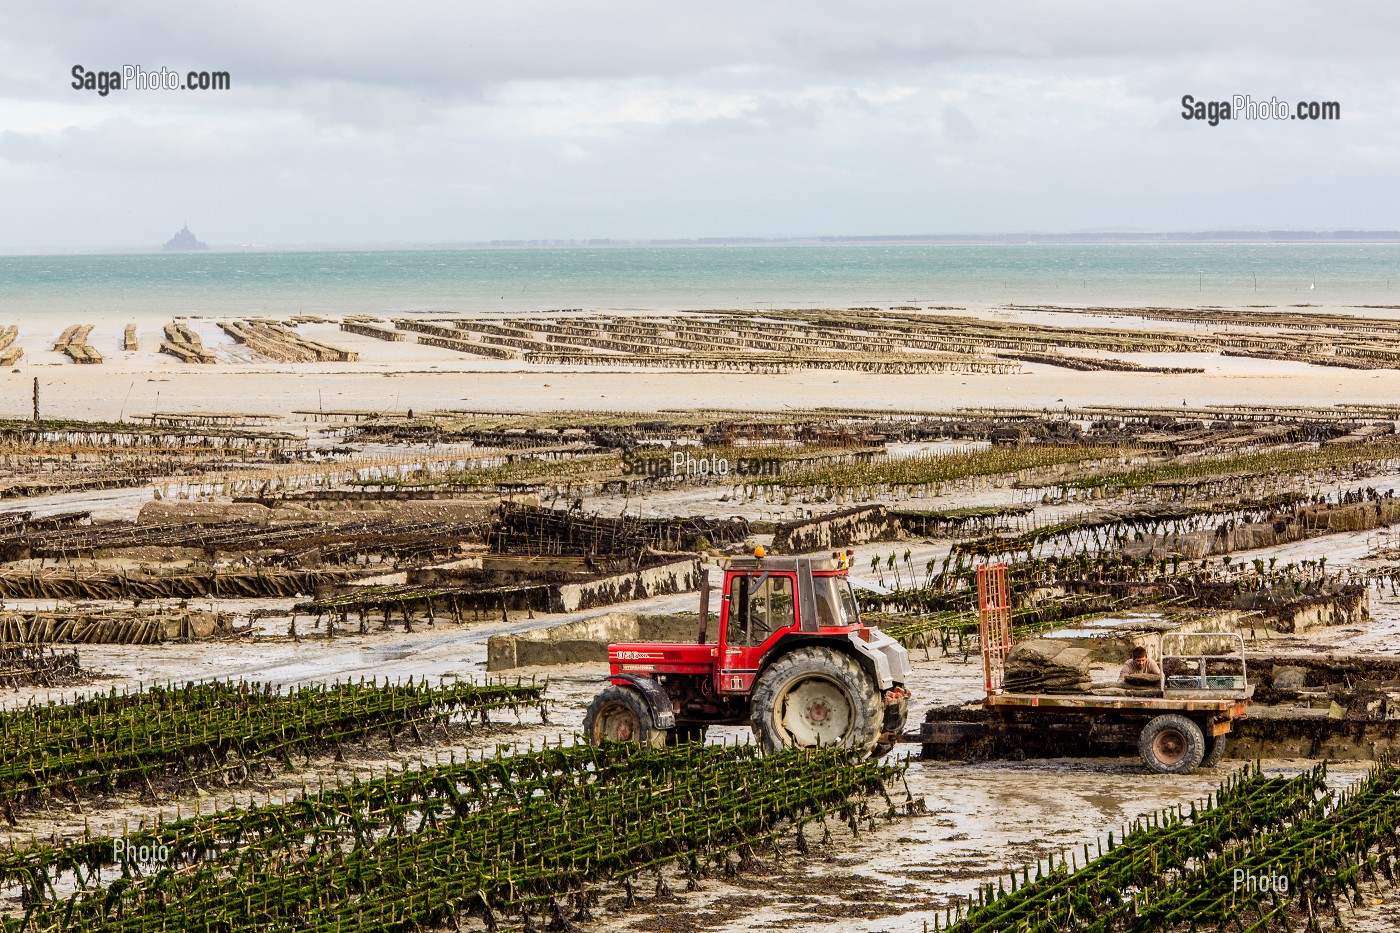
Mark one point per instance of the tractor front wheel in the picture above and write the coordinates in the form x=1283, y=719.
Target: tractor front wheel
x=620, y=714
x=816, y=697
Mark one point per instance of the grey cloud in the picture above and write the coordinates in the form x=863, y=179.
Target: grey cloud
x=453, y=49
x=25, y=147
x=455, y=122
x=956, y=125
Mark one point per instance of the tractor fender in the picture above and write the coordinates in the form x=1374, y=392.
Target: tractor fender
x=663, y=712
x=883, y=656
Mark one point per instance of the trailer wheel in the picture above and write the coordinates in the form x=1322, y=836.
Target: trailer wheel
x=816, y=697
x=620, y=714
x=1216, y=754
x=1171, y=744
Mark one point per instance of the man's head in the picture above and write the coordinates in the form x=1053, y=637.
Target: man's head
x=1140, y=657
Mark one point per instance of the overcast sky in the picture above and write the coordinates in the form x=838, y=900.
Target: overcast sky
x=358, y=122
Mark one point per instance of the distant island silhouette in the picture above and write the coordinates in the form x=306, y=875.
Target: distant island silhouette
x=184, y=242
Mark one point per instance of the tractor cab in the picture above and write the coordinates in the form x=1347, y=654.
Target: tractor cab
x=768, y=599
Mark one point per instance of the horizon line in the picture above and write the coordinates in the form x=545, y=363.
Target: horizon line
x=1011, y=238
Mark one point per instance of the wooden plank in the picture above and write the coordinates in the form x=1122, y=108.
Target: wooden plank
x=1074, y=703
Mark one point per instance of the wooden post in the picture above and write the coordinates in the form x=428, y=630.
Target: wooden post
x=36, y=400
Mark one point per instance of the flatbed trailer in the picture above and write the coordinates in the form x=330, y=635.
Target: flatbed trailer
x=1185, y=724
x=1226, y=709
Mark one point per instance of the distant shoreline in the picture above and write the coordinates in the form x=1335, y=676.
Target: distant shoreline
x=1234, y=237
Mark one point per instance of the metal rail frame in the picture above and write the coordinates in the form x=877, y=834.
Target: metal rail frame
x=994, y=624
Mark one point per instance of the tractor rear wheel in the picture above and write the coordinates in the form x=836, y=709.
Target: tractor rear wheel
x=816, y=697
x=620, y=714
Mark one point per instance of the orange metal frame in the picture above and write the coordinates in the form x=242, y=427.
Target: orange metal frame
x=994, y=623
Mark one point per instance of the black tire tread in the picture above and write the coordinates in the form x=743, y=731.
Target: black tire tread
x=1218, y=747
x=1195, y=743
x=648, y=736
x=816, y=659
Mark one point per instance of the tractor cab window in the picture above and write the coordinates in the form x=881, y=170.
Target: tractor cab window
x=836, y=605
x=764, y=605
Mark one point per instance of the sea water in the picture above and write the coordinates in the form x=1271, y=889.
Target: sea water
x=456, y=281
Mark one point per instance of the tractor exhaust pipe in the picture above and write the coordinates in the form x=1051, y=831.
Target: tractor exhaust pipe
x=704, y=604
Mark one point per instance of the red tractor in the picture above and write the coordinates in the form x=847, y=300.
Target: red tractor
x=792, y=659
